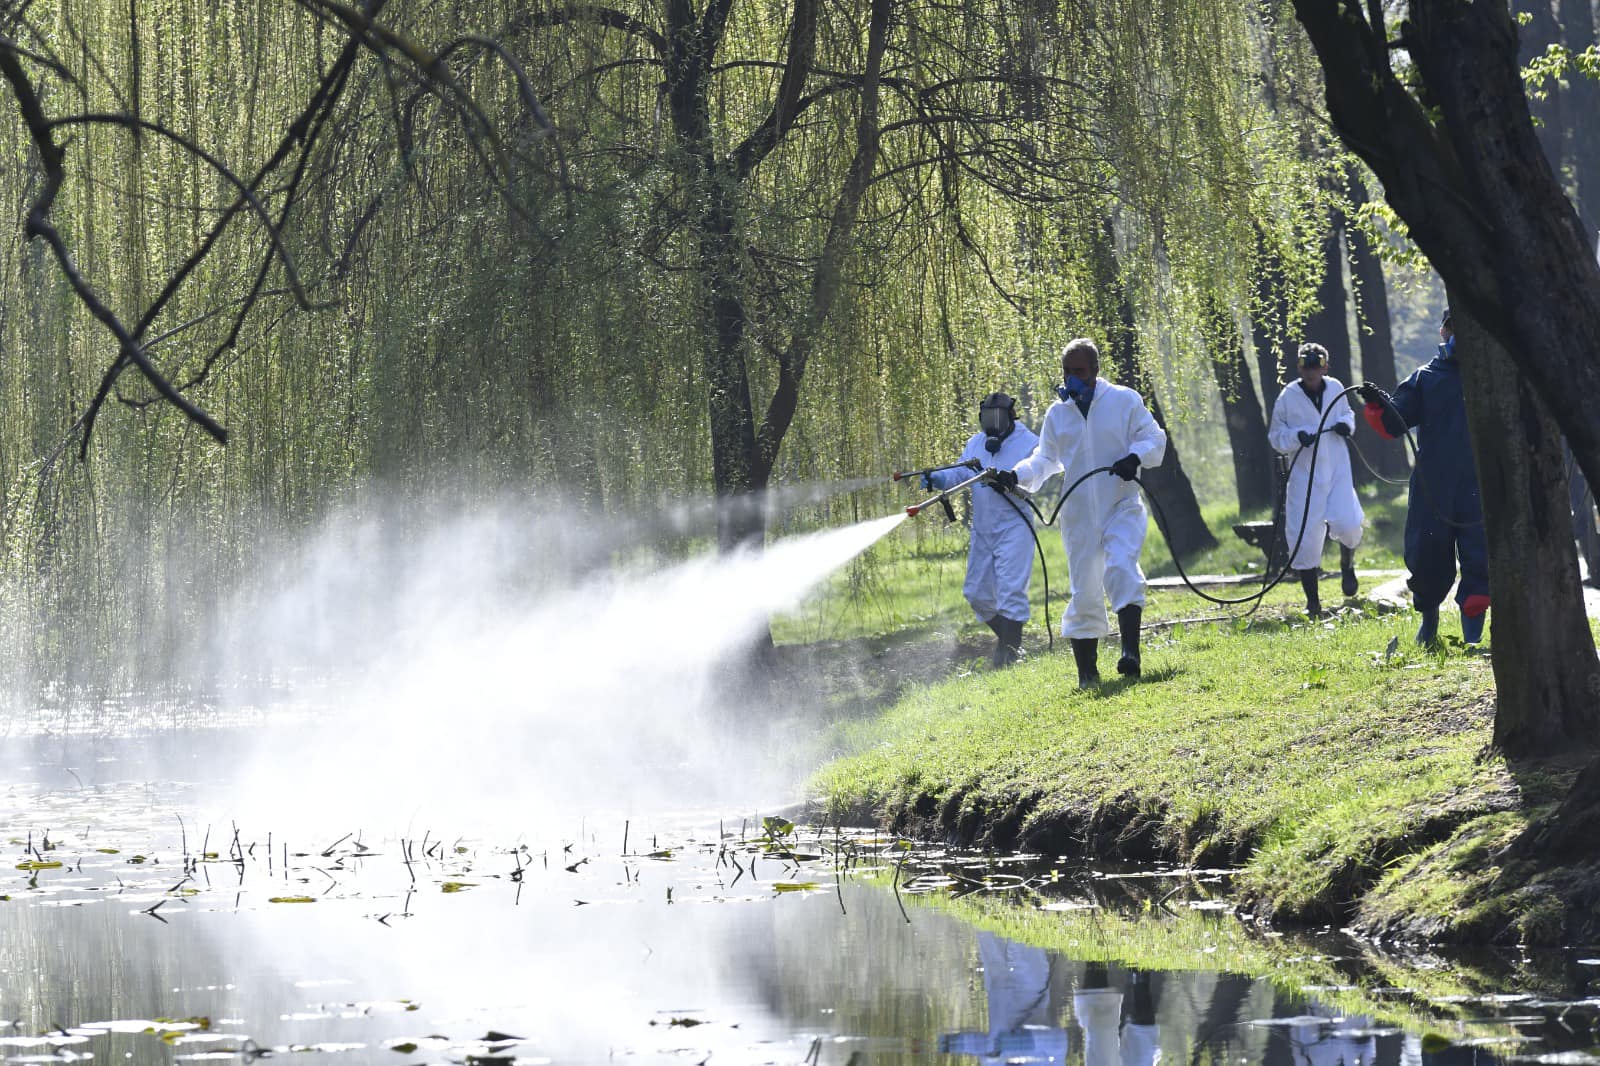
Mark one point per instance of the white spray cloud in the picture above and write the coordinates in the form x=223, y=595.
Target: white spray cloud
x=498, y=672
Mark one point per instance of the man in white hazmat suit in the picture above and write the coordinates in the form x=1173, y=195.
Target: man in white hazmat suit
x=1332, y=506
x=1000, y=557
x=1096, y=424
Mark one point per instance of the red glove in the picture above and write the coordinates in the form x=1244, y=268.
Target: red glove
x=1373, y=412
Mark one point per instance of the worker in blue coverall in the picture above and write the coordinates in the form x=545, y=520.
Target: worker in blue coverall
x=1444, y=516
x=1000, y=557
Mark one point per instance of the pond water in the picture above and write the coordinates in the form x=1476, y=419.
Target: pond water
x=140, y=926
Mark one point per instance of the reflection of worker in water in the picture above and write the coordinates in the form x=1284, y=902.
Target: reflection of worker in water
x=1022, y=1018
x=1000, y=558
x=1334, y=1042
x=1113, y=1036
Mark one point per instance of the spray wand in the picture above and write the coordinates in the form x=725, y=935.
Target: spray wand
x=901, y=475
x=944, y=497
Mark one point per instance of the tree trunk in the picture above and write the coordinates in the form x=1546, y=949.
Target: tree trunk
x=1241, y=413
x=1470, y=181
x=1377, y=344
x=1567, y=834
x=1545, y=669
x=1467, y=176
x=1179, y=519
x=1328, y=323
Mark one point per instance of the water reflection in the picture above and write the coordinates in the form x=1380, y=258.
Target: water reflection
x=685, y=944
x=1024, y=1007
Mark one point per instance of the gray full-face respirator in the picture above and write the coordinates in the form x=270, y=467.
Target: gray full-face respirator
x=997, y=417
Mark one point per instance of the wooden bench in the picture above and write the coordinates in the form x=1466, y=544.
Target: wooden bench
x=1260, y=535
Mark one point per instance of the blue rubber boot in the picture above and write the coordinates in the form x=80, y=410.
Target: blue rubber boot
x=1428, y=633
x=1472, y=627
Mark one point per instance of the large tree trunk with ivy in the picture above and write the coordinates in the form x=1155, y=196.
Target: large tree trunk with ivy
x=1544, y=655
x=1463, y=168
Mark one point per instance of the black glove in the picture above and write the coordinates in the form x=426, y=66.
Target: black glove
x=1307, y=439
x=973, y=465
x=1370, y=393
x=1342, y=428
x=1127, y=467
x=1003, y=480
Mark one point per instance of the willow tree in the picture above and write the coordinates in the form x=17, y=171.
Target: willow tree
x=785, y=153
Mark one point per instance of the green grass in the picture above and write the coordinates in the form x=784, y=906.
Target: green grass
x=1340, y=777
x=1348, y=782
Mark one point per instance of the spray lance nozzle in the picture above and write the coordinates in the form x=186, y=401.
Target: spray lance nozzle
x=943, y=498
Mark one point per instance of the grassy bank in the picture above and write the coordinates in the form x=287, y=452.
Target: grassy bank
x=1350, y=783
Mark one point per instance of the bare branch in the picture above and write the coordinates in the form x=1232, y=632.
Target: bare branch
x=134, y=123
x=39, y=225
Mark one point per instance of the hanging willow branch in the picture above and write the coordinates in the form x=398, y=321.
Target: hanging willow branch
x=41, y=132
x=429, y=71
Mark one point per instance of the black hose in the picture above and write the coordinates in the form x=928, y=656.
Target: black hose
x=1372, y=469
x=1268, y=584
x=1043, y=566
x=1161, y=520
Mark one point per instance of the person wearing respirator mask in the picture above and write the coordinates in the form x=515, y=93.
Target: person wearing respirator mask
x=1097, y=424
x=1000, y=556
x=1329, y=503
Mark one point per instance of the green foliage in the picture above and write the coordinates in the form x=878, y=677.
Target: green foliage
x=470, y=347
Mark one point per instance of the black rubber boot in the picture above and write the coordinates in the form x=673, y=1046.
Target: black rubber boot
x=1428, y=632
x=1009, y=643
x=1086, y=650
x=1347, y=571
x=997, y=624
x=1128, y=621
x=1308, y=582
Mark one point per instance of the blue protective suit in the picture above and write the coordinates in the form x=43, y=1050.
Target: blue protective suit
x=1444, y=516
x=1000, y=558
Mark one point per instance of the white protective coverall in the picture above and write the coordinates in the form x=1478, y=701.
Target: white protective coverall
x=1333, y=495
x=1103, y=523
x=1000, y=557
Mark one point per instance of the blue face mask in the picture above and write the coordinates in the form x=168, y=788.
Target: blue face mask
x=1447, y=350
x=1075, y=388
